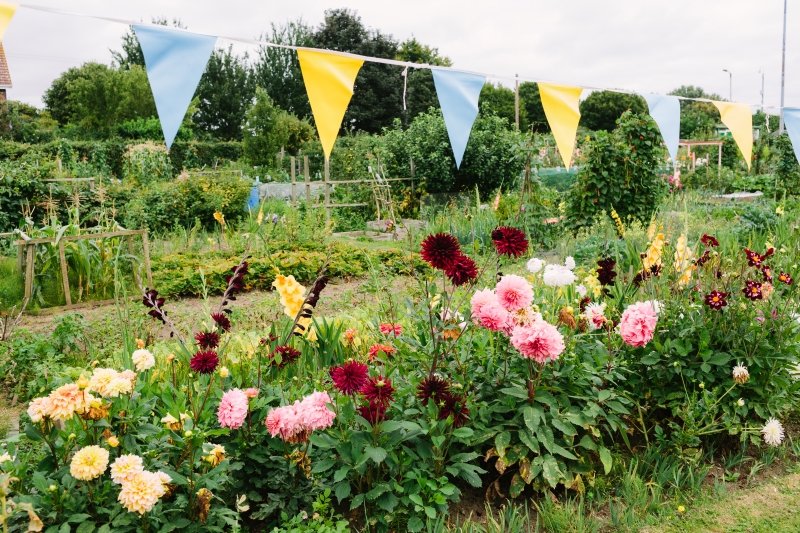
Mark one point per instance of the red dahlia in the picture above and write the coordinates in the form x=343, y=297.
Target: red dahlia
x=434, y=387
x=462, y=270
x=716, y=299
x=703, y=259
x=709, y=240
x=510, y=242
x=785, y=278
x=222, y=321
x=440, y=250
x=207, y=340
x=754, y=259
x=455, y=405
x=767, y=271
x=374, y=413
x=606, y=274
x=752, y=290
x=204, y=362
x=378, y=390
x=350, y=377
x=288, y=355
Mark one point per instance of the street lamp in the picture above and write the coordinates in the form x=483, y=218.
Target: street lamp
x=730, y=74
x=783, y=62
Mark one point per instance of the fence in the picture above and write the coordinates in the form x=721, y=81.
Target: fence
x=328, y=183
x=27, y=259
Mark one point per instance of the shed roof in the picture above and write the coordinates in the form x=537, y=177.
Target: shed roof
x=5, y=74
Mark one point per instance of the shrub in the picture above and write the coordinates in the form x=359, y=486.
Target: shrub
x=621, y=173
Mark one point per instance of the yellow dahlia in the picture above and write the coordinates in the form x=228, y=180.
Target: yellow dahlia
x=90, y=462
x=65, y=401
x=141, y=492
x=125, y=467
x=101, y=380
x=143, y=360
x=119, y=386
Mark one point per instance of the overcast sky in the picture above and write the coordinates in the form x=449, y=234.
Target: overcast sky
x=641, y=45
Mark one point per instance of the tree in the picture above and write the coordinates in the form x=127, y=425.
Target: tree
x=96, y=98
x=24, y=123
x=225, y=93
x=531, y=102
x=420, y=88
x=500, y=101
x=697, y=118
x=277, y=70
x=268, y=128
x=378, y=92
x=600, y=111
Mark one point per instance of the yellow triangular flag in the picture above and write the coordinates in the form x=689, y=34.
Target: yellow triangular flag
x=739, y=120
x=7, y=10
x=560, y=104
x=329, y=80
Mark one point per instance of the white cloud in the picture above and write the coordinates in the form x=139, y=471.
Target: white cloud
x=633, y=44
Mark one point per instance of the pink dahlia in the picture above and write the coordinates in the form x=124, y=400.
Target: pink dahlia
x=494, y=317
x=514, y=293
x=539, y=341
x=232, y=409
x=252, y=392
x=638, y=324
x=481, y=298
x=314, y=412
x=286, y=422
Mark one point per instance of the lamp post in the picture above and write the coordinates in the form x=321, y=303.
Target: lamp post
x=783, y=62
x=730, y=75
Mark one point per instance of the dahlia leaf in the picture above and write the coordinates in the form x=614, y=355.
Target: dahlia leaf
x=375, y=453
x=605, y=458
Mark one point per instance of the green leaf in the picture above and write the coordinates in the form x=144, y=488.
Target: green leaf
x=342, y=491
x=64, y=528
x=323, y=466
x=341, y=474
x=321, y=441
x=603, y=395
x=78, y=518
x=531, y=417
x=501, y=441
x=376, y=454
x=517, y=486
x=33, y=433
x=605, y=458
x=588, y=443
x=105, y=528
x=529, y=440
x=650, y=359
x=517, y=392
x=175, y=477
x=463, y=433
x=415, y=524
x=550, y=470
x=357, y=501
x=431, y=512
x=85, y=527
x=565, y=427
x=719, y=358
x=416, y=499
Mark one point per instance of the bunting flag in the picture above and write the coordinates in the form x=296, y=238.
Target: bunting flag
x=329, y=81
x=666, y=111
x=739, y=120
x=560, y=104
x=458, y=94
x=7, y=10
x=791, y=117
x=175, y=61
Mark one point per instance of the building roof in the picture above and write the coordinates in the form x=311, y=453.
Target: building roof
x=5, y=74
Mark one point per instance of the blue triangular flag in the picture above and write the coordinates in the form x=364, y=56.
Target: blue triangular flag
x=175, y=62
x=791, y=117
x=666, y=111
x=458, y=94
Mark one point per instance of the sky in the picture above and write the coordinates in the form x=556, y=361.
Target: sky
x=639, y=45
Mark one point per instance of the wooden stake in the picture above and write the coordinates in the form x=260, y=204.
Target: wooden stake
x=307, y=178
x=64, y=274
x=327, y=190
x=29, y=272
x=294, y=184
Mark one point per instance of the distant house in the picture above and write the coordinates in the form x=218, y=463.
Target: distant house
x=721, y=130
x=5, y=74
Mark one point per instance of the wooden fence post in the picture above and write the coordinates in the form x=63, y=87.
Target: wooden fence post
x=327, y=190
x=146, y=246
x=294, y=184
x=62, y=256
x=412, y=177
x=29, y=272
x=307, y=178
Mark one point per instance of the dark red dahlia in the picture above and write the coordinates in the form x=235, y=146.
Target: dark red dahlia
x=583, y=303
x=510, y=242
x=440, y=250
x=204, y=362
x=716, y=299
x=287, y=354
x=378, y=390
x=433, y=387
x=709, y=240
x=703, y=259
x=767, y=271
x=785, y=278
x=374, y=413
x=222, y=321
x=754, y=259
x=752, y=290
x=207, y=340
x=350, y=377
x=455, y=405
x=462, y=270
x=606, y=274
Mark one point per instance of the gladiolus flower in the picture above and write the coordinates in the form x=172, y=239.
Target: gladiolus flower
x=606, y=274
x=389, y=329
x=375, y=349
x=785, y=278
x=709, y=240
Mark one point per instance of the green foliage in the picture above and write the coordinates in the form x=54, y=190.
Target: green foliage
x=601, y=110
x=146, y=164
x=697, y=118
x=21, y=181
x=500, y=101
x=21, y=122
x=420, y=89
x=784, y=164
x=620, y=173
x=531, y=102
x=225, y=92
x=268, y=129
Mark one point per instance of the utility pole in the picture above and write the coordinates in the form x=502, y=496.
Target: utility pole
x=761, y=70
x=730, y=75
x=516, y=99
x=783, y=63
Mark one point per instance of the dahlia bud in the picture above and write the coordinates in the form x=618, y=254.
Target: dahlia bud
x=140, y=343
x=52, y=488
x=223, y=372
x=83, y=382
x=187, y=433
x=170, y=357
x=113, y=441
